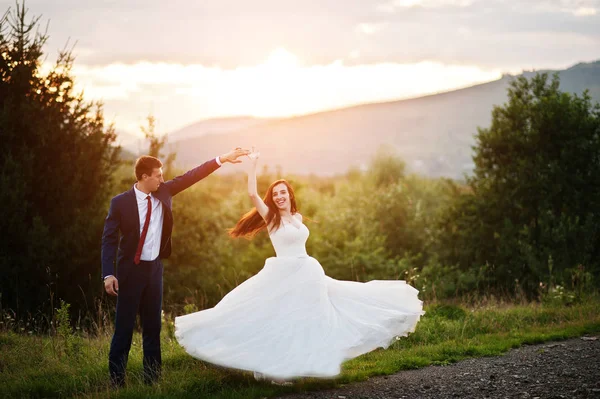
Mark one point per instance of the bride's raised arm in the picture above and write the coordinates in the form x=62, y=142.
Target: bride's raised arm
x=260, y=205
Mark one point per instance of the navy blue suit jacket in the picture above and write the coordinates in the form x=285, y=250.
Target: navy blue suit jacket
x=123, y=217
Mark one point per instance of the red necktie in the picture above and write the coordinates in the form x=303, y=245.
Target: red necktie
x=138, y=253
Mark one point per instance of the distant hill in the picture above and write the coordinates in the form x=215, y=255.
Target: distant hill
x=433, y=134
x=130, y=142
x=126, y=155
x=216, y=126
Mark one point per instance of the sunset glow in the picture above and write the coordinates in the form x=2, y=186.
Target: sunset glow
x=199, y=60
x=280, y=86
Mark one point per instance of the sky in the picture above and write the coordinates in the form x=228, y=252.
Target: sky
x=187, y=60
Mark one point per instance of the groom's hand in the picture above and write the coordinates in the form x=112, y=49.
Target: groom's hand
x=232, y=156
x=111, y=285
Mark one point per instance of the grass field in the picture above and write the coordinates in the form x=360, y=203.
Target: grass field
x=69, y=364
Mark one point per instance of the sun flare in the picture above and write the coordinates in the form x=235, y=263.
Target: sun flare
x=281, y=59
x=282, y=85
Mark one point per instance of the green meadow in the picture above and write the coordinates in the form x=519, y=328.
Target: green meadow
x=74, y=364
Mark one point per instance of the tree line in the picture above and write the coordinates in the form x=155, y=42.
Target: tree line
x=525, y=222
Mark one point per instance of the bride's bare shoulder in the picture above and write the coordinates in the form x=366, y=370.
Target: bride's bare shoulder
x=298, y=216
x=272, y=227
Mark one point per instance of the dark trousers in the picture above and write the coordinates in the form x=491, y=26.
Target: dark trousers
x=140, y=290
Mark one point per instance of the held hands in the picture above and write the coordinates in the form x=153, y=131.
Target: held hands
x=111, y=285
x=254, y=155
x=232, y=156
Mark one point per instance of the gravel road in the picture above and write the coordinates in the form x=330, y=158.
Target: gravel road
x=562, y=369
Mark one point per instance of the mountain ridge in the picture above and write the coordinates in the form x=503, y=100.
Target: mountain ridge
x=432, y=133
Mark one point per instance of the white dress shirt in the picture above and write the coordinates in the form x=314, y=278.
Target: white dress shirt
x=151, y=248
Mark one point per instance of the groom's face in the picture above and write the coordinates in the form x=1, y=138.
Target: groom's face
x=155, y=179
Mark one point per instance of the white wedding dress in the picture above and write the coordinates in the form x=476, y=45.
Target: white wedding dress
x=291, y=320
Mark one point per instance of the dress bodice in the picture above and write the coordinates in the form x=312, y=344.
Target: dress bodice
x=289, y=240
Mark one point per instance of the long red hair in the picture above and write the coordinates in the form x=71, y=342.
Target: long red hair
x=251, y=223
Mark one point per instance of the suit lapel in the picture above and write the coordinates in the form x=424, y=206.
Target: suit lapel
x=134, y=210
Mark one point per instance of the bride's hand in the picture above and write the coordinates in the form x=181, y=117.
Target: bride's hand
x=254, y=155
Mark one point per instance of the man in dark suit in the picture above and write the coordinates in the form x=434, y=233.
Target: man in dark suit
x=143, y=216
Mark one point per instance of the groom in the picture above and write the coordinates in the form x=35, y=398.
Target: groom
x=144, y=218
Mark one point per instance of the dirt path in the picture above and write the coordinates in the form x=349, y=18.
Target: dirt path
x=562, y=369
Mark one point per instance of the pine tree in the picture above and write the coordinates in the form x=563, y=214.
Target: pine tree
x=56, y=162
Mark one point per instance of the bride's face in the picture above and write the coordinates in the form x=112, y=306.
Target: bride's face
x=281, y=196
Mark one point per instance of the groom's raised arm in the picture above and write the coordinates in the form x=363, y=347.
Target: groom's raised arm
x=180, y=183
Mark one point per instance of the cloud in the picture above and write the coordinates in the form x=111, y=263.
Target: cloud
x=370, y=28
x=354, y=54
x=578, y=8
x=181, y=94
x=394, y=5
x=585, y=11
x=573, y=7
x=228, y=33
x=185, y=61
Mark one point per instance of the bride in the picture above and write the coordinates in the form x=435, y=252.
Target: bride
x=291, y=320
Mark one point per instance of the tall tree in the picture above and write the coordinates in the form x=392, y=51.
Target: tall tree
x=534, y=212
x=156, y=144
x=56, y=162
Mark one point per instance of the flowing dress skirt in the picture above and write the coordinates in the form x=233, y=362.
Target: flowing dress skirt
x=291, y=320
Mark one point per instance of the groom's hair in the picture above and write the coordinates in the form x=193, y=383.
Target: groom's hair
x=146, y=164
